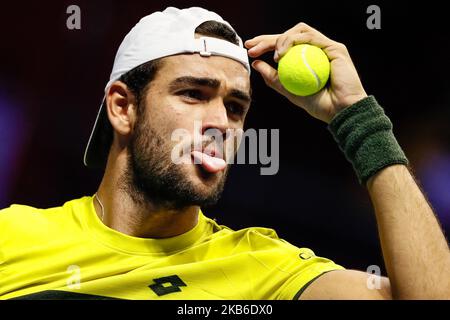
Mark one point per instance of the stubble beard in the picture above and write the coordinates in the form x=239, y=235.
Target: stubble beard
x=150, y=176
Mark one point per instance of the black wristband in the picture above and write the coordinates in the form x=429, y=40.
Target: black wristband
x=364, y=133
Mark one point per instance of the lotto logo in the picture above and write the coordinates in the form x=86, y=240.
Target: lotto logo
x=166, y=285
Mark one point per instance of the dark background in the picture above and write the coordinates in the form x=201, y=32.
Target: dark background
x=52, y=81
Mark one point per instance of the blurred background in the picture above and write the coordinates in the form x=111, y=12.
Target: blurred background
x=52, y=81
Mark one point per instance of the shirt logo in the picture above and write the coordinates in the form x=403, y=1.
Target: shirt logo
x=166, y=285
x=304, y=256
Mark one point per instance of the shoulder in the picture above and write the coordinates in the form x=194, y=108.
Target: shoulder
x=258, y=240
x=276, y=268
x=23, y=220
x=18, y=212
x=21, y=209
x=255, y=236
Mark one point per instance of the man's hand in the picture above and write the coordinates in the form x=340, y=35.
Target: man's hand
x=415, y=250
x=345, y=87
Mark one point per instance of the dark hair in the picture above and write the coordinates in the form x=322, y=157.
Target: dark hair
x=138, y=79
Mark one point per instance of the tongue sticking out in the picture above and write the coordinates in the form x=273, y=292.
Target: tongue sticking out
x=210, y=164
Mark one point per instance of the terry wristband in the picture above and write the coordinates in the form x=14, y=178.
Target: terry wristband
x=364, y=133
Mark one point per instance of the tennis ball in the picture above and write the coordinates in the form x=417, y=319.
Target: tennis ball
x=304, y=70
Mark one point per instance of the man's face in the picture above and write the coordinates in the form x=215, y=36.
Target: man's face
x=204, y=97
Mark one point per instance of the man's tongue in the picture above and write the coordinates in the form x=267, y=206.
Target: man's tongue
x=209, y=163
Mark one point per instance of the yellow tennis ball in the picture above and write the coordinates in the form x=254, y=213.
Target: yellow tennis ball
x=304, y=70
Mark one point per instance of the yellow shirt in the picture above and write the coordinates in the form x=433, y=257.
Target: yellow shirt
x=68, y=253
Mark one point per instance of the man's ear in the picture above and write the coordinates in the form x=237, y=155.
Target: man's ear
x=121, y=107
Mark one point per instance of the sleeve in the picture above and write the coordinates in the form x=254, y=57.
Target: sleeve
x=302, y=275
x=3, y=234
x=283, y=270
x=10, y=218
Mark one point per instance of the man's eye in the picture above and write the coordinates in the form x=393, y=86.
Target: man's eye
x=235, y=108
x=192, y=94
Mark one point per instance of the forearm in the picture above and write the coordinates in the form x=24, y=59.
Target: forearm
x=415, y=251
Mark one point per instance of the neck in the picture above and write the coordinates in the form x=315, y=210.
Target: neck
x=141, y=219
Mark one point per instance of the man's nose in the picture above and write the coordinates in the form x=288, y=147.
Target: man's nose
x=215, y=117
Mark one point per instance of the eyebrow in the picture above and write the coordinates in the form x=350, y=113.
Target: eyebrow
x=208, y=82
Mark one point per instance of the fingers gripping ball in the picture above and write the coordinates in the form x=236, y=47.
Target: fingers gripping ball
x=304, y=70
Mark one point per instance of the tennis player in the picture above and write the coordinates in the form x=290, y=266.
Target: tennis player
x=143, y=234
